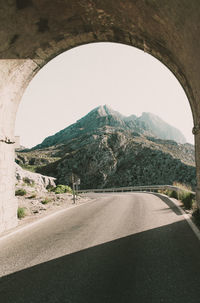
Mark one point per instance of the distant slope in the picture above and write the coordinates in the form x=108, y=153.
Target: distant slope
x=160, y=128
x=104, y=116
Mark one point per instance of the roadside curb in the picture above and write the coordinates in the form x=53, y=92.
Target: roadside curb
x=186, y=216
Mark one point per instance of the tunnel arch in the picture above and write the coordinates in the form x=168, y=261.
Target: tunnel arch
x=140, y=44
x=94, y=49
x=36, y=32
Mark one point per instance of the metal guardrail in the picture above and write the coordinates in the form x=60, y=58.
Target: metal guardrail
x=150, y=188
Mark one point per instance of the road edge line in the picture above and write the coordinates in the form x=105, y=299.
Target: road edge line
x=186, y=217
x=189, y=221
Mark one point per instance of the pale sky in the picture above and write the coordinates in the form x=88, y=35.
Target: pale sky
x=75, y=82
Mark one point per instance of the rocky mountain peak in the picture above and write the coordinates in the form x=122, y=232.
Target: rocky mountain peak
x=104, y=110
x=104, y=116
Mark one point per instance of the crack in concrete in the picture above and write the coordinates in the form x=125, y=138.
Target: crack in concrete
x=7, y=140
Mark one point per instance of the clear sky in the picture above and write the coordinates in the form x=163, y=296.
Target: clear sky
x=123, y=77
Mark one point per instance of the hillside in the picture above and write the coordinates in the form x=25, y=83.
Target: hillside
x=106, y=149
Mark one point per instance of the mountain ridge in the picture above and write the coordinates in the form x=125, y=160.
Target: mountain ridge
x=147, y=124
x=107, y=149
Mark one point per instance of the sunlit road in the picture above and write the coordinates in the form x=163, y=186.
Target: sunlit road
x=120, y=248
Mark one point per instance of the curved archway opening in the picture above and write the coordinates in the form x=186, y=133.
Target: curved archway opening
x=87, y=76
x=130, y=82
x=155, y=28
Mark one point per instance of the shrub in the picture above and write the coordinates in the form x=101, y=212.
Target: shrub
x=32, y=196
x=166, y=192
x=50, y=188
x=61, y=189
x=46, y=201
x=21, y=212
x=28, y=181
x=31, y=168
x=173, y=194
x=187, y=198
x=182, y=186
x=20, y=192
x=68, y=189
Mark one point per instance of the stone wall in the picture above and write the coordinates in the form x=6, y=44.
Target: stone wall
x=14, y=77
x=8, y=202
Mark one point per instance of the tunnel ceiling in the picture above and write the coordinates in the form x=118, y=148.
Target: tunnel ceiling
x=167, y=29
x=28, y=26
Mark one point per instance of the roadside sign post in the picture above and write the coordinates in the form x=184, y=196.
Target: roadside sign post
x=75, y=185
x=78, y=182
x=73, y=188
x=74, y=197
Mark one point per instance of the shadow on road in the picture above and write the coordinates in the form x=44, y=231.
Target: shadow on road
x=169, y=203
x=159, y=265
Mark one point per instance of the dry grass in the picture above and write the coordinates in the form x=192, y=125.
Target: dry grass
x=183, y=186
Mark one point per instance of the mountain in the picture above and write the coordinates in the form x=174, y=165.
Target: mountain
x=159, y=128
x=147, y=124
x=105, y=149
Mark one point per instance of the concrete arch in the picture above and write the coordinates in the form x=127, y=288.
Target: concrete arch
x=34, y=32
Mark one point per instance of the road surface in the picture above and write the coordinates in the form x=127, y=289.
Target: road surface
x=121, y=247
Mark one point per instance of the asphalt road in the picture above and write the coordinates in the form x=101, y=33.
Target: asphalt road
x=120, y=248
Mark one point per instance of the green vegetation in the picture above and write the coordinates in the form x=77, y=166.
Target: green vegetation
x=187, y=199
x=50, y=188
x=183, y=186
x=61, y=189
x=29, y=181
x=46, y=201
x=31, y=168
x=20, y=192
x=21, y=212
x=184, y=195
x=32, y=160
x=32, y=196
x=172, y=194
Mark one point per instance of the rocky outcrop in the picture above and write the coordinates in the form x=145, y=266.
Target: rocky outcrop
x=40, y=182
x=118, y=158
